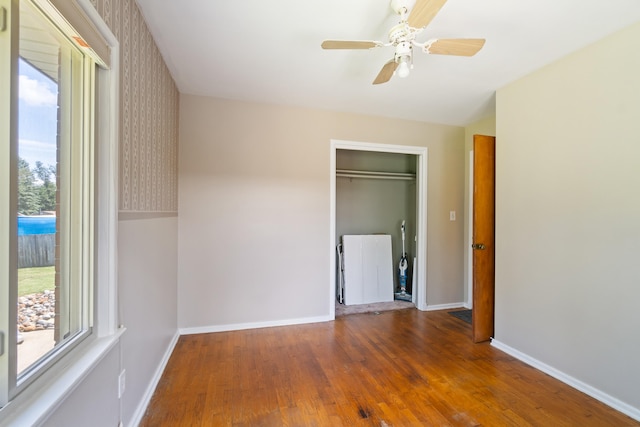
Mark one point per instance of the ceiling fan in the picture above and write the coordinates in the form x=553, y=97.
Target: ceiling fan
x=415, y=15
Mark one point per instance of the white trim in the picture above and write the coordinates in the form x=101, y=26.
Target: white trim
x=449, y=306
x=253, y=325
x=53, y=387
x=603, y=397
x=420, y=299
x=107, y=191
x=332, y=231
x=469, y=303
x=151, y=388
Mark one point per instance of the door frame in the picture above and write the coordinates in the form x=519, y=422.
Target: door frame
x=421, y=215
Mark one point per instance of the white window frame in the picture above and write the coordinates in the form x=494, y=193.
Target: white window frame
x=45, y=393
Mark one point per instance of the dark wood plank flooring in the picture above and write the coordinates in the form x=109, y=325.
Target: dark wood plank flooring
x=396, y=368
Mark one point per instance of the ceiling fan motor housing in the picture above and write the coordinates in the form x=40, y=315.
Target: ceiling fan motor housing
x=404, y=55
x=399, y=33
x=403, y=49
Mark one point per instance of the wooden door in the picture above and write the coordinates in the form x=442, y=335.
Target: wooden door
x=484, y=148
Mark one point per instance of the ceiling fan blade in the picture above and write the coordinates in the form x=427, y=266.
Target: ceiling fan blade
x=386, y=72
x=458, y=47
x=423, y=12
x=349, y=44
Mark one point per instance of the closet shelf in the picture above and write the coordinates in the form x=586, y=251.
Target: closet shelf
x=345, y=173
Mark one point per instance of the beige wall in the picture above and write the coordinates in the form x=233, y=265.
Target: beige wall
x=147, y=274
x=254, y=208
x=486, y=126
x=568, y=217
x=94, y=402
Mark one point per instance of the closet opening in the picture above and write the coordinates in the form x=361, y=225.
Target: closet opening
x=375, y=188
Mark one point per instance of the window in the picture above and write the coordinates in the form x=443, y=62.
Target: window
x=51, y=79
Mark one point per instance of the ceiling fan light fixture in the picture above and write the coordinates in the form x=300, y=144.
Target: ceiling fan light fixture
x=403, y=67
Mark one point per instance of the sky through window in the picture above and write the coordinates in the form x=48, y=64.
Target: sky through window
x=38, y=117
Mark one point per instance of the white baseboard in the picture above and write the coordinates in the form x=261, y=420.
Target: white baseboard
x=605, y=398
x=445, y=306
x=253, y=325
x=151, y=388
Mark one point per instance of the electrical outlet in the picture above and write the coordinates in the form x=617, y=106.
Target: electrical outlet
x=452, y=215
x=122, y=378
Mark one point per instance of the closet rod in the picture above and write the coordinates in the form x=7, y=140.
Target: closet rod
x=375, y=175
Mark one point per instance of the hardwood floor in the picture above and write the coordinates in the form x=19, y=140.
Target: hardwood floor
x=396, y=368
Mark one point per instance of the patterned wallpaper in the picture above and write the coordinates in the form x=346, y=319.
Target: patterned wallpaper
x=148, y=114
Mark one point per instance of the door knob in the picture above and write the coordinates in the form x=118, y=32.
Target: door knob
x=478, y=246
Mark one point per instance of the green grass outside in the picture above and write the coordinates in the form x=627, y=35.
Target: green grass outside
x=35, y=280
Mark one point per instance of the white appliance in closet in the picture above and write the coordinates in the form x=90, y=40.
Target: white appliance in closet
x=368, y=268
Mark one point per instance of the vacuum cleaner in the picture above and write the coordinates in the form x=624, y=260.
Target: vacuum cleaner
x=403, y=266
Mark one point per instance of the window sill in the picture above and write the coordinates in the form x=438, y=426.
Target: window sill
x=30, y=408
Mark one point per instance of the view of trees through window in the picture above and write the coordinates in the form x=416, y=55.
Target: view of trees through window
x=36, y=188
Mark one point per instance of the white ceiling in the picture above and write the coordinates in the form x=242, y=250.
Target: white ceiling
x=269, y=51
